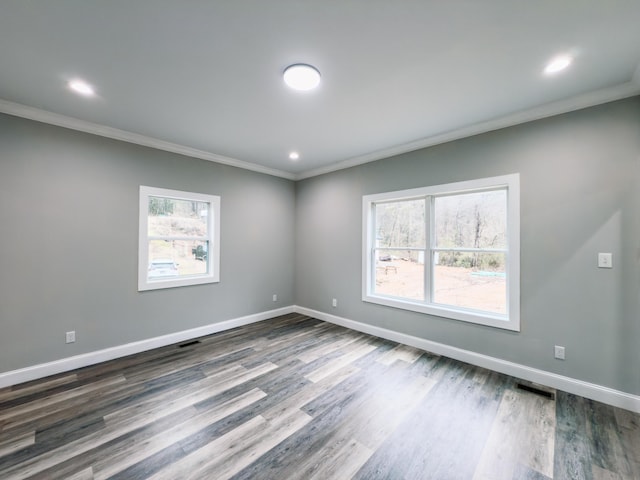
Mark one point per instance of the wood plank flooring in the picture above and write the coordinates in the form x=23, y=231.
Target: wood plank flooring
x=298, y=398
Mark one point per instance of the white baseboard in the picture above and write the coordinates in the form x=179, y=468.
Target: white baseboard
x=560, y=382
x=71, y=363
x=567, y=384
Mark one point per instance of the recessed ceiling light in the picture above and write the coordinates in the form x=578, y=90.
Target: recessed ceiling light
x=294, y=156
x=301, y=77
x=558, y=64
x=81, y=87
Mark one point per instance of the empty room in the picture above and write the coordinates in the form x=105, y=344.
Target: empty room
x=296, y=239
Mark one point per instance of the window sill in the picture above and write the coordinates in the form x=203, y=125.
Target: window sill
x=511, y=322
x=175, y=282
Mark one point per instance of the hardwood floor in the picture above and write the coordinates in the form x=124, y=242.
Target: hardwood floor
x=297, y=398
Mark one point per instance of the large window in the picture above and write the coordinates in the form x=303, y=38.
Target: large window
x=179, y=238
x=447, y=250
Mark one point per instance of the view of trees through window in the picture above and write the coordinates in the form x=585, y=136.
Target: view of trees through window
x=401, y=224
x=463, y=238
x=178, y=237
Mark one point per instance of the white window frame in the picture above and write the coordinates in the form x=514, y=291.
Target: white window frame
x=213, y=237
x=508, y=321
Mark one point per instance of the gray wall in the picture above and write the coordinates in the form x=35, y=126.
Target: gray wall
x=69, y=243
x=580, y=195
x=68, y=248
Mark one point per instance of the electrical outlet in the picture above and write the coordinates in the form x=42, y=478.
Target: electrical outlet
x=334, y=302
x=275, y=297
x=559, y=352
x=71, y=336
x=605, y=260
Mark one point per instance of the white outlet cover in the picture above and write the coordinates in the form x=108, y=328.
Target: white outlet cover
x=605, y=260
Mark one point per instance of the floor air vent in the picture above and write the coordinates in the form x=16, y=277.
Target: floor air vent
x=537, y=391
x=188, y=344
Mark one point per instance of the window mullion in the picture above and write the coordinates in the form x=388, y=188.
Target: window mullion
x=373, y=247
x=170, y=238
x=470, y=249
x=428, y=278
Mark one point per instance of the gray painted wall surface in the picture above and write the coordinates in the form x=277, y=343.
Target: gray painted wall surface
x=580, y=195
x=68, y=249
x=69, y=243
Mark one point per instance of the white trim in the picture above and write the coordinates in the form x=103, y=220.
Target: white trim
x=593, y=391
x=42, y=370
x=567, y=384
x=31, y=113
x=636, y=76
x=212, y=237
x=605, y=95
x=511, y=183
x=578, y=102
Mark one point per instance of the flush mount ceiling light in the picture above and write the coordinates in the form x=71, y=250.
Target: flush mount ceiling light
x=294, y=156
x=558, y=64
x=81, y=87
x=301, y=77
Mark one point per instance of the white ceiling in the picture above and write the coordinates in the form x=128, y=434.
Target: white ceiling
x=203, y=77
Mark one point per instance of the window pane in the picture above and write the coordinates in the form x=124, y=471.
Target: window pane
x=473, y=220
x=400, y=273
x=171, y=217
x=401, y=224
x=176, y=258
x=471, y=280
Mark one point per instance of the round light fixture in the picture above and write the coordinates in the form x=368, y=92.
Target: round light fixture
x=81, y=87
x=294, y=156
x=301, y=77
x=558, y=64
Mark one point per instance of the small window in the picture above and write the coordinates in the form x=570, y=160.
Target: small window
x=179, y=238
x=448, y=250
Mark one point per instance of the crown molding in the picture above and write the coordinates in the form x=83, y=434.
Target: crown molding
x=579, y=102
x=51, y=118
